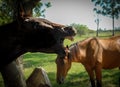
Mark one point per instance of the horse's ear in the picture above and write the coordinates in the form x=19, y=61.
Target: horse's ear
x=67, y=46
x=67, y=49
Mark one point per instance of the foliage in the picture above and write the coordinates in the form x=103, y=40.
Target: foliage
x=109, y=7
x=7, y=9
x=82, y=29
x=117, y=28
x=6, y=12
x=40, y=9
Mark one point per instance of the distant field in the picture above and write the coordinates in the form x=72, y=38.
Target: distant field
x=77, y=76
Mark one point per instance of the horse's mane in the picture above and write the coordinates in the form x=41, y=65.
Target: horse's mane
x=72, y=45
x=47, y=22
x=83, y=41
x=51, y=23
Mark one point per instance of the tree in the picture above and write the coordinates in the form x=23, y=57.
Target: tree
x=97, y=20
x=8, y=9
x=5, y=12
x=110, y=8
x=12, y=76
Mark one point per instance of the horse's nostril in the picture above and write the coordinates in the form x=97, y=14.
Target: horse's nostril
x=60, y=81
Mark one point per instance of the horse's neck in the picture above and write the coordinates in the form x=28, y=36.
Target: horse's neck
x=75, y=53
x=8, y=26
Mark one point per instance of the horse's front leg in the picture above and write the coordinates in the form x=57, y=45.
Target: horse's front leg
x=98, y=73
x=91, y=75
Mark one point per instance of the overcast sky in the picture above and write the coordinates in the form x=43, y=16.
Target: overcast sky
x=76, y=11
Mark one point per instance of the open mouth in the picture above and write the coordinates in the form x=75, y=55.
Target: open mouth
x=70, y=38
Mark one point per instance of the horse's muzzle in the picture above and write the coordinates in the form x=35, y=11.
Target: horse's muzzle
x=60, y=80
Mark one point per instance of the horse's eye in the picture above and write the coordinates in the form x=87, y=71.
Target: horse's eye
x=59, y=61
x=35, y=25
x=62, y=61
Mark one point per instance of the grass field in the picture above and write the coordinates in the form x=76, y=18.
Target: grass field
x=77, y=76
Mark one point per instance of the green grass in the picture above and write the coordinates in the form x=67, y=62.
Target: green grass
x=77, y=76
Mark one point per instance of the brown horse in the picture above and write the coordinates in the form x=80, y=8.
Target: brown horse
x=32, y=35
x=94, y=54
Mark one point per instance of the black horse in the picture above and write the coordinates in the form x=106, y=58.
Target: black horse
x=32, y=35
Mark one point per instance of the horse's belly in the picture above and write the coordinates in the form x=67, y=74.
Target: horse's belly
x=111, y=60
x=111, y=66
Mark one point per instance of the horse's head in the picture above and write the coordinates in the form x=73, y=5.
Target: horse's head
x=63, y=66
x=33, y=35
x=58, y=30
x=70, y=32
x=44, y=36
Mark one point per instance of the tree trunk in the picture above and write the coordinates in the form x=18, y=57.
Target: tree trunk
x=113, y=33
x=97, y=22
x=24, y=8
x=97, y=29
x=12, y=75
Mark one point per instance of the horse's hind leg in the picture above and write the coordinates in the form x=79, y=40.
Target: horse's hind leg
x=98, y=72
x=119, y=78
x=91, y=75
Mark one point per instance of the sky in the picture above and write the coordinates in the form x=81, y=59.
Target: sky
x=76, y=11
